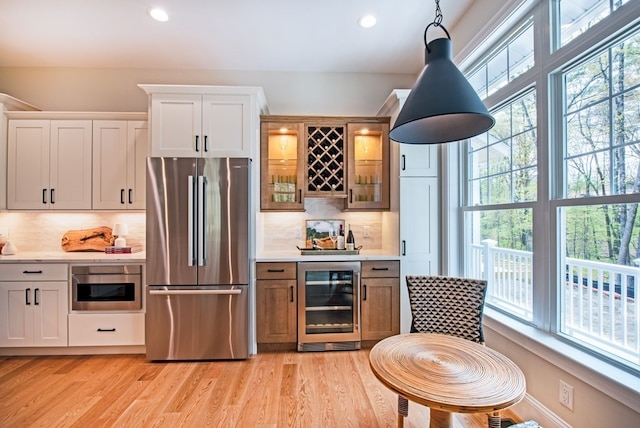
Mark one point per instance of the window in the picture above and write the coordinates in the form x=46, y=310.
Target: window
x=503, y=171
x=600, y=235
x=550, y=201
x=577, y=16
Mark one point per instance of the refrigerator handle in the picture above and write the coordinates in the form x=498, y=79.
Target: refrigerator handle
x=202, y=183
x=190, y=236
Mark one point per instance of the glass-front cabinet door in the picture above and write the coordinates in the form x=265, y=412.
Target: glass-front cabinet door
x=368, y=173
x=282, y=160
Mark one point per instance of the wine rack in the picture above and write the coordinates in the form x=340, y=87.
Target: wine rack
x=326, y=160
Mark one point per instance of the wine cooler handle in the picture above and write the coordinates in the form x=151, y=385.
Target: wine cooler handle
x=291, y=294
x=404, y=247
x=356, y=304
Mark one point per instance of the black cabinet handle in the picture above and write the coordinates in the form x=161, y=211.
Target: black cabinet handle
x=379, y=268
x=122, y=196
x=44, y=196
x=35, y=296
x=26, y=296
x=53, y=201
x=299, y=196
x=291, y=293
x=206, y=146
x=130, y=196
x=404, y=247
x=197, y=148
x=350, y=196
x=27, y=272
x=404, y=165
x=364, y=292
x=275, y=270
x=100, y=330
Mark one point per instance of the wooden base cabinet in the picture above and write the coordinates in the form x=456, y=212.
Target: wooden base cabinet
x=380, y=301
x=276, y=302
x=33, y=305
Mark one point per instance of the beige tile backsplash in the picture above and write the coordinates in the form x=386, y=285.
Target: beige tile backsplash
x=35, y=231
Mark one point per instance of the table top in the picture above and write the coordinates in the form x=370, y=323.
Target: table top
x=447, y=373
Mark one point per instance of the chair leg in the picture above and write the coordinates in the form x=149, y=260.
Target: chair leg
x=494, y=420
x=403, y=410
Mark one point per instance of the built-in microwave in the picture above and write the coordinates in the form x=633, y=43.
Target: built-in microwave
x=106, y=288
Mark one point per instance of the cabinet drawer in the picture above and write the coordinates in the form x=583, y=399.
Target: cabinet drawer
x=281, y=270
x=106, y=329
x=381, y=269
x=34, y=272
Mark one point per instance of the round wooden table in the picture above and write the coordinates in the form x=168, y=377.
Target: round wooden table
x=448, y=374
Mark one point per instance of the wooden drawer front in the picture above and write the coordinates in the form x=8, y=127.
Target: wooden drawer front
x=106, y=329
x=285, y=270
x=34, y=272
x=381, y=269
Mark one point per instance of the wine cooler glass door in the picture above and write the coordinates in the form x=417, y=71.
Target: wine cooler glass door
x=329, y=309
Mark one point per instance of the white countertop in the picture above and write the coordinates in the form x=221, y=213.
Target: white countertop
x=294, y=256
x=70, y=257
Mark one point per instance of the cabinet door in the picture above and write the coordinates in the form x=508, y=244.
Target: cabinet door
x=380, y=308
x=50, y=310
x=176, y=125
x=70, y=164
x=226, y=126
x=276, y=310
x=368, y=166
x=281, y=166
x=16, y=314
x=419, y=160
x=137, y=152
x=28, y=165
x=109, y=164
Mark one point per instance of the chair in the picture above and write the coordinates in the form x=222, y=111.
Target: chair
x=446, y=305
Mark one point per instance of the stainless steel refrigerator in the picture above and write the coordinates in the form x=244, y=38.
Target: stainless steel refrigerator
x=197, y=271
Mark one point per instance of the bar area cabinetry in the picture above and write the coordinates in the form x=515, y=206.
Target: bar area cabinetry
x=276, y=303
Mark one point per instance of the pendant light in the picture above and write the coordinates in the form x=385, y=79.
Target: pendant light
x=442, y=105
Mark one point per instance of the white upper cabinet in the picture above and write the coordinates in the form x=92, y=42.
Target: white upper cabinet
x=204, y=121
x=49, y=164
x=119, y=151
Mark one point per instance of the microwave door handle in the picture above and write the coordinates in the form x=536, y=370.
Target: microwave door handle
x=202, y=256
x=190, y=255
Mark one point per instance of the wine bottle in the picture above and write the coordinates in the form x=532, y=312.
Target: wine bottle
x=351, y=242
x=341, y=238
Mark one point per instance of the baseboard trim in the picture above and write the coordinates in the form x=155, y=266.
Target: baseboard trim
x=530, y=408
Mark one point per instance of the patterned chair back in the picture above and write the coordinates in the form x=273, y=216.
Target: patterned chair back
x=447, y=305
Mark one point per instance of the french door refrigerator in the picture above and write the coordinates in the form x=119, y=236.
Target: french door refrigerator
x=197, y=270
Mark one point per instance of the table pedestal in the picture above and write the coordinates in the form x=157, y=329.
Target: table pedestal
x=440, y=419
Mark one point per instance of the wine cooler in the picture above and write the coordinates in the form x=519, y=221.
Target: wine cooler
x=328, y=306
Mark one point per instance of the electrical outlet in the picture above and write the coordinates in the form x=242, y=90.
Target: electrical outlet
x=366, y=231
x=566, y=395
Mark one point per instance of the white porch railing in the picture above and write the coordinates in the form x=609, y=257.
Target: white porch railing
x=599, y=301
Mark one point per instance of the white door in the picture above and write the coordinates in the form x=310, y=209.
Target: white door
x=226, y=124
x=70, y=164
x=28, y=165
x=16, y=314
x=109, y=164
x=176, y=125
x=137, y=152
x=418, y=160
x=50, y=309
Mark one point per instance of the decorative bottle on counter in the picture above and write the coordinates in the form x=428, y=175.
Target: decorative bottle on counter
x=351, y=242
x=341, y=238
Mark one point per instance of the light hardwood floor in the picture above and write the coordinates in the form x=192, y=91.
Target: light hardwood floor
x=285, y=389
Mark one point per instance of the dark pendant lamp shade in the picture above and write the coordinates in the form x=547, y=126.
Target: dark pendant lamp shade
x=442, y=105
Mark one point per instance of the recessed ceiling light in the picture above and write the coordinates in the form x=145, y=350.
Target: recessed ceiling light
x=159, y=14
x=367, y=21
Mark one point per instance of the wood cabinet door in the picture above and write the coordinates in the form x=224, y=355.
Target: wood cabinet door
x=276, y=310
x=380, y=307
x=109, y=164
x=176, y=125
x=70, y=164
x=16, y=314
x=50, y=310
x=226, y=126
x=28, y=165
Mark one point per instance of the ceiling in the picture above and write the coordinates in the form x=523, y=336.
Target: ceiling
x=259, y=35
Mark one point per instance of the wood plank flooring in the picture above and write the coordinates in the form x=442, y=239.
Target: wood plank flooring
x=280, y=389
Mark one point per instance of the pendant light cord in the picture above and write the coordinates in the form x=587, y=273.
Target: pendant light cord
x=438, y=19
